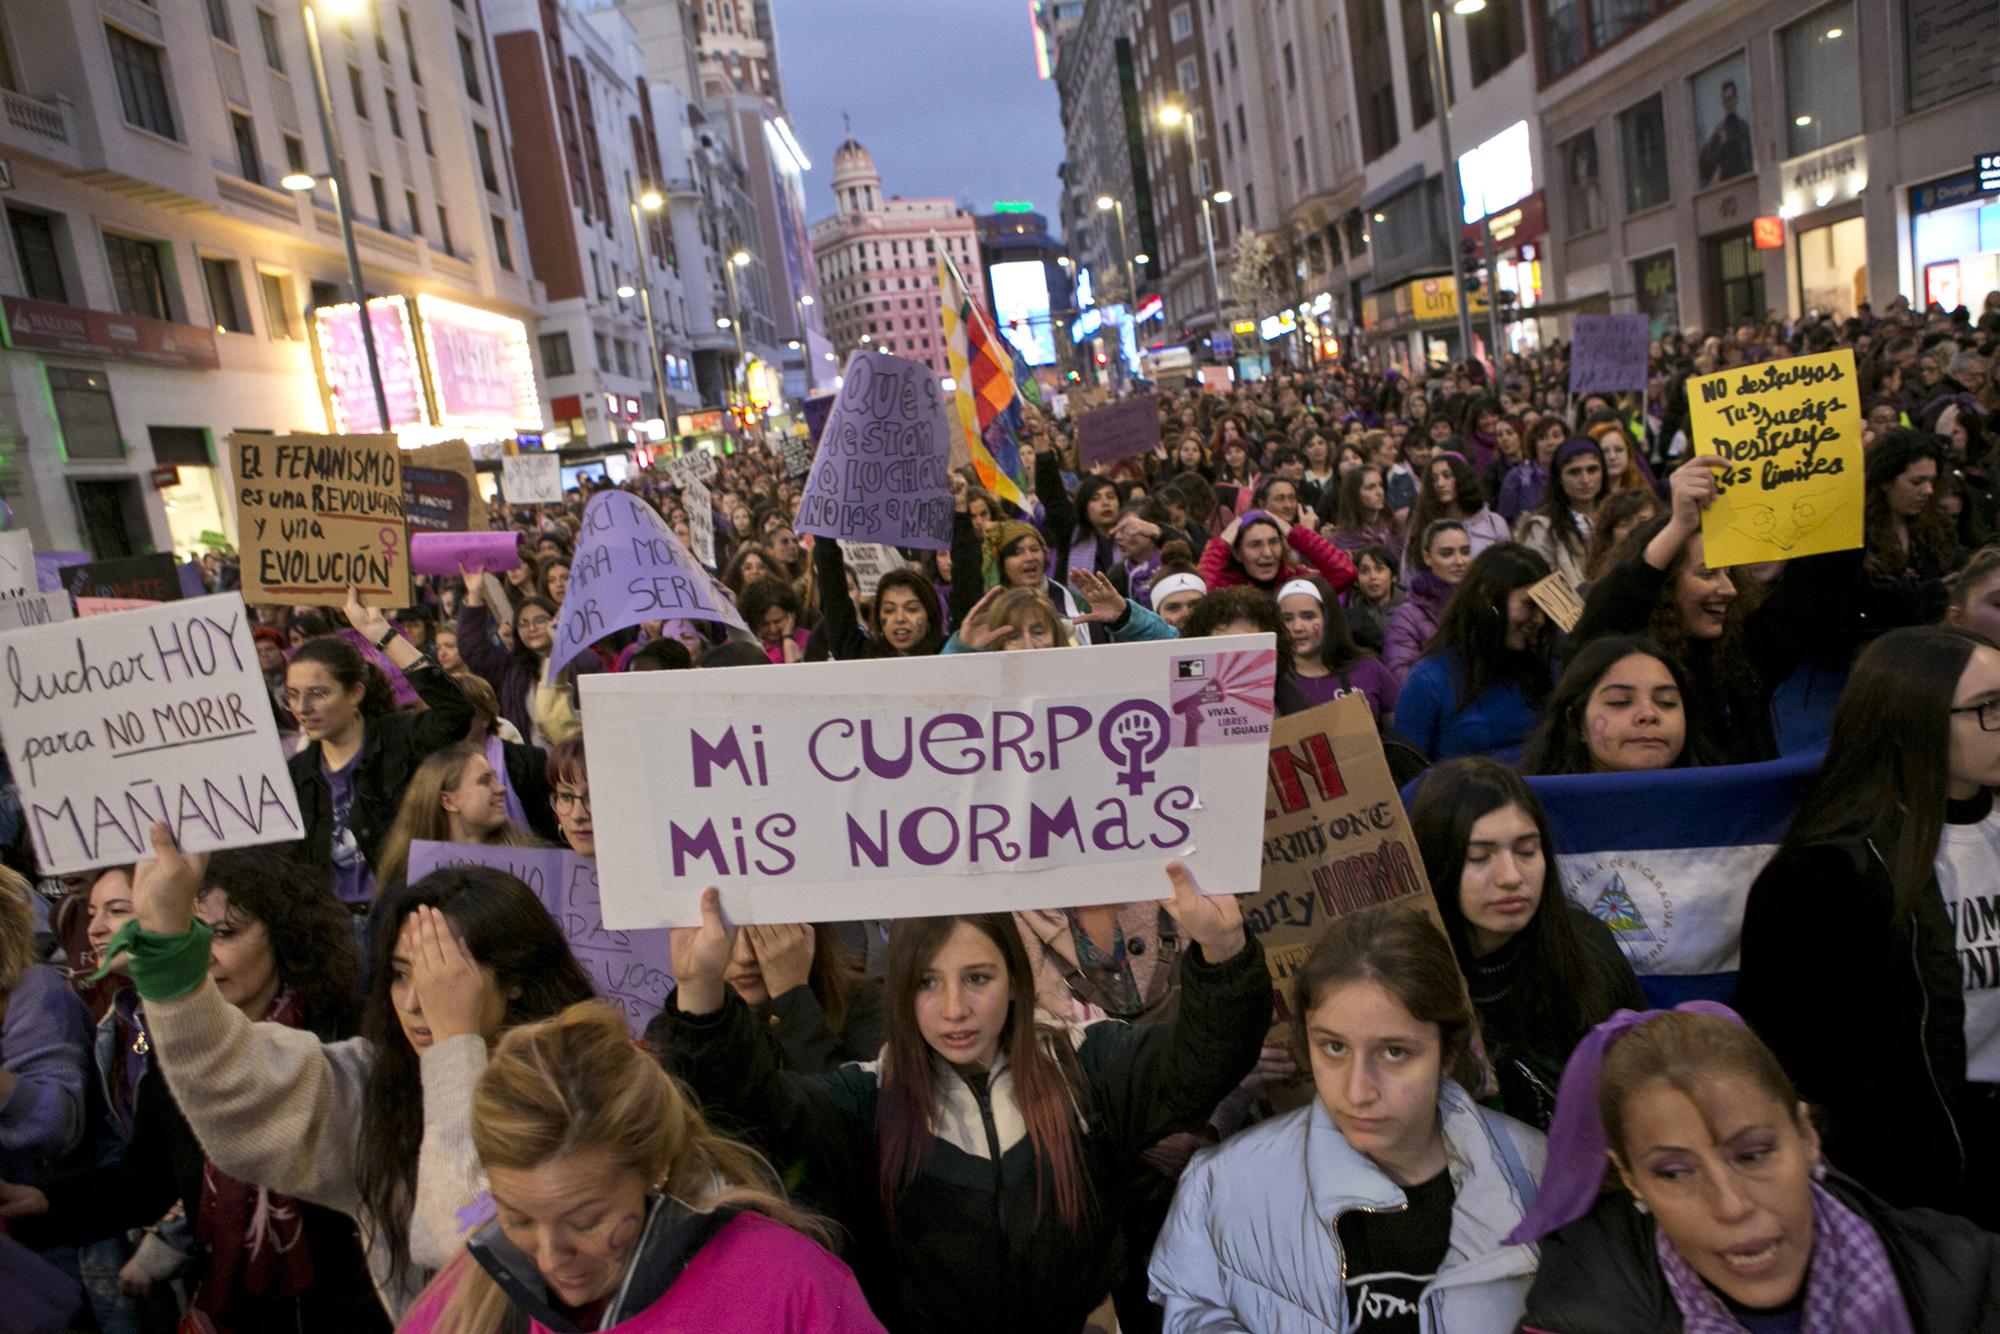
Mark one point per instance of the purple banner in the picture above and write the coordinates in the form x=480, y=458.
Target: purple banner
x=444, y=553
x=631, y=568
x=49, y=566
x=1119, y=431
x=1607, y=353
x=631, y=969
x=883, y=460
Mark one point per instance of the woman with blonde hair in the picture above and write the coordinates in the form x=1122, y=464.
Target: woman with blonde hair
x=616, y=1205
x=455, y=796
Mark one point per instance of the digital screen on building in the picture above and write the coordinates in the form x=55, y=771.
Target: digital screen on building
x=481, y=368
x=343, y=359
x=1021, y=305
x=1498, y=174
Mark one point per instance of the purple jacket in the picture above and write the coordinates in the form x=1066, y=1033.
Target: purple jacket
x=512, y=674
x=45, y=1042
x=1522, y=490
x=1412, y=624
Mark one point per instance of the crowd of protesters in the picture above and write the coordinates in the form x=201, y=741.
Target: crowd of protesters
x=300, y=1089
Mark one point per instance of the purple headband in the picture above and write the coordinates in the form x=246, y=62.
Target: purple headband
x=1256, y=516
x=1579, y=1151
x=1569, y=449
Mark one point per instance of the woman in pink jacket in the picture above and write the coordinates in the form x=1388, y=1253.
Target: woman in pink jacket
x=1254, y=550
x=614, y=1206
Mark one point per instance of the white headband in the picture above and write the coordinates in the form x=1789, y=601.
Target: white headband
x=1305, y=586
x=1176, y=583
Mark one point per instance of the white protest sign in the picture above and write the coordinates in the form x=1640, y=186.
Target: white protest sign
x=701, y=521
x=869, y=561
x=697, y=465
x=531, y=479
x=155, y=714
x=17, y=564
x=31, y=609
x=979, y=782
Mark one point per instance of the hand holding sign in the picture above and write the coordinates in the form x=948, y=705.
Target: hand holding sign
x=165, y=888
x=1212, y=921
x=880, y=472
x=701, y=957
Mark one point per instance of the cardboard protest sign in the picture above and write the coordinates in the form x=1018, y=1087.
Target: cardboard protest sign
x=148, y=578
x=50, y=564
x=447, y=553
x=17, y=564
x=797, y=456
x=631, y=969
x=155, y=714
x=869, y=561
x=19, y=613
x=441, y=490
x=1119, y=431
x=1558, y=601
x=701, y=521
x=1335, y=838
x=880, y=472
x=1607, y=353
x=1791, y=434
x=898, y=787
x=318, y=513
x=531, y=479
x=629, y=568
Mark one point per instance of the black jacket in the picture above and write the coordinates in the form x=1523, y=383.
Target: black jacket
x=806, y=1044
x=528, y=775
x=1866, y=1016
x=392, y=747
x=973, y=1250
x=162, y=1163
x=1601, y=1274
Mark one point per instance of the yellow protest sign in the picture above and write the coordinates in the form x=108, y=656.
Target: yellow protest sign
x=1790, y=432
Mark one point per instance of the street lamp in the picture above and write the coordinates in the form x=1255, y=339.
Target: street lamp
x=626, y=292
x=651, y=201
x=1454, y=202
x=1171, y=115
x=337, y=183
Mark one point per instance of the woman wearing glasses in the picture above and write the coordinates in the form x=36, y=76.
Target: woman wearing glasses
x=513, y=672
x=1868, y=939
x=361, y=751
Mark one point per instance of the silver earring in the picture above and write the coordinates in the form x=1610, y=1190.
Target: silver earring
x=1819, y=1170
x=1640, y=1205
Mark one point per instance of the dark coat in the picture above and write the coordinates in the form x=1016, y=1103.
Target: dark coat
x=512, y=674
x=973, y=1250
x=797, y=1024
x=392, y=747
x=1601, y=1274
x=1867, y=1016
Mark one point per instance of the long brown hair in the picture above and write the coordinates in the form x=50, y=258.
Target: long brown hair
x=1048, y=1084
x=577, y=1083
x=422, y=814
x=1403, y=952
x=1684, y=1050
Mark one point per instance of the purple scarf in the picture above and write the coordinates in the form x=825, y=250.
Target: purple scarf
x=1851, y=1288
x=496, y=755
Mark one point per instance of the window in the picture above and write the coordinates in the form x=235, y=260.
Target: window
x=1821, y=76
x=248, y=166
x=1232, y=48
x=218, y=21
x=1242, y=127
x=603, y=353
x=1180, y=24
x=416, y=218
x=142, y=83
x=138, y=276
x=1291, y=70
x=1575, y=30
x=267, y=28
x=1299, y=161
x=381, y=40
x=502, y=252
x=1562, y=36
x=1250, y=200
x=84, y=414
x=322, y=294
x=224, y=282
x=278, y=314
x=1494, y=39
x=410, y=49
x=1612, y=19
x=1582, y=188
x=38, y=254
x=180, y=446
x=468, y=65
x=1189, y=73
x=556, y=358
x=358, y=90
x=295, y=154
x=488, y=172
x=444, y=230
x=1417, y=55
x=395, y=112
x=381, y=193
x=1739, y=278
x=1642, y=146
x=622, y=351
x=424, y=130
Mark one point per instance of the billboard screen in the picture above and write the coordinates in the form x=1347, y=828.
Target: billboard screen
x=1021, y=307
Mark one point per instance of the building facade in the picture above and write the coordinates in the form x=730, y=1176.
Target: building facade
x=1177, y=119
x=162, y=291
x=877, y=263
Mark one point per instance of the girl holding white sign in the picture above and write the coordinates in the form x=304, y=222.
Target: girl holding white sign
x=980, y=1165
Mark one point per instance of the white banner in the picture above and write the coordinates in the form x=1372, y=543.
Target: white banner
x=22, y=611
x=978, y=782
x=531, y=479
x=155, y=714
x=697, y=465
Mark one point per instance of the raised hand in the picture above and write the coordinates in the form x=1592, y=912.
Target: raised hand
x=370, y=621
x=700, y=956
x=1693, y=488
x=164, y=889
x=1107, y=604
x=784, y=953
x=450, y=989
x=1212, y=921
x=1228, y=535
x=976, y=634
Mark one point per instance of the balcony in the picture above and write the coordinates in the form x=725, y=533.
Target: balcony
x=39, y=128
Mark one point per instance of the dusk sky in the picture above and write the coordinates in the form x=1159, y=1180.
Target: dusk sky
x=943, y=93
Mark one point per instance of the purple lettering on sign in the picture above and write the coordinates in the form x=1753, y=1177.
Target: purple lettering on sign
x=630, y=568
x=881, y=471
x=1607, y=353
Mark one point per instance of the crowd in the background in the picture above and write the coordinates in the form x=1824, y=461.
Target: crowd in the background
x=301, y=1088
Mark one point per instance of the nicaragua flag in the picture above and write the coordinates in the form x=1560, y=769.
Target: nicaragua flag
x=1666, y=859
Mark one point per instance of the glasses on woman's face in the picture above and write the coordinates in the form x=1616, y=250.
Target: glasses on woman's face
x=1988, y=711
x=567, y=799
x=313, y=695
x=535, y=622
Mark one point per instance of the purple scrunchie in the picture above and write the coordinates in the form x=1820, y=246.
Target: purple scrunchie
x=1579, y=1152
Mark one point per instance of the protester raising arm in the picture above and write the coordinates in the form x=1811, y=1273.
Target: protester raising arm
x=845, y=640
x=968, y=556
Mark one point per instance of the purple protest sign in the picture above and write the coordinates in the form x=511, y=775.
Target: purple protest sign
x=49, y=566
x=1119, y=431
x=880, y=474
x=631, y=969
x=629, y=568
x=445, y=553
x=1607, y=353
